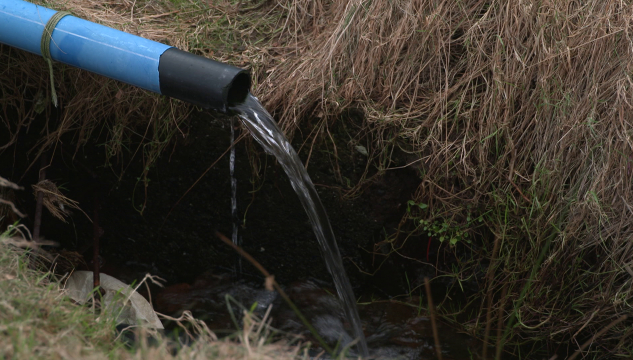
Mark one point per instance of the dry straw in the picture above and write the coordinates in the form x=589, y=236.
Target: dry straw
x=520, y=109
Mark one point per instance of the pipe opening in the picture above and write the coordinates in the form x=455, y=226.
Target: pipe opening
x=239, y=89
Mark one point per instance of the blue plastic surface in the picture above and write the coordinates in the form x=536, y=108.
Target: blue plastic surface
x=83, y=44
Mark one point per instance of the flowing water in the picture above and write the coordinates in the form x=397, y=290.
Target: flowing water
x=234, y=217
x=264, y=129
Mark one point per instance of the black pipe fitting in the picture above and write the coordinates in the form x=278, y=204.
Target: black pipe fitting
x=202, y=81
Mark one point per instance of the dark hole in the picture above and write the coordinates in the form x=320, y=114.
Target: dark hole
x=239, y=88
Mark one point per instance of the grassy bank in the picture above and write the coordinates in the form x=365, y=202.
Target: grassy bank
x=37, y=321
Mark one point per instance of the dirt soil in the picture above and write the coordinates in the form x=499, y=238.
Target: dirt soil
x=181, y=246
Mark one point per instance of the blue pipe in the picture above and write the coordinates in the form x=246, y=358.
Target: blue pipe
x=125, y=57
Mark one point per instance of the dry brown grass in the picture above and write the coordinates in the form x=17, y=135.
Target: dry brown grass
x=520, y=109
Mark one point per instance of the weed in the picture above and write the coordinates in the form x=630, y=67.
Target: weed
x=444, y=229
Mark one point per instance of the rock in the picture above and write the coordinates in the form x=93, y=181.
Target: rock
x=120, y=299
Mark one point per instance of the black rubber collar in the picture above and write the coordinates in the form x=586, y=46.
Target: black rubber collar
x=202, y=81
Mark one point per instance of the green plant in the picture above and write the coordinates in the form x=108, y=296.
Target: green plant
x=441, y=228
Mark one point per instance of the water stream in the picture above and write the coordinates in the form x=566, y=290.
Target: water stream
x=234, y=217
x=265, y=130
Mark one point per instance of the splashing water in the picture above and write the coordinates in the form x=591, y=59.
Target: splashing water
x=264, y=129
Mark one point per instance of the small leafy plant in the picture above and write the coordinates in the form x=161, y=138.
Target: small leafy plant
x=444, y=229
